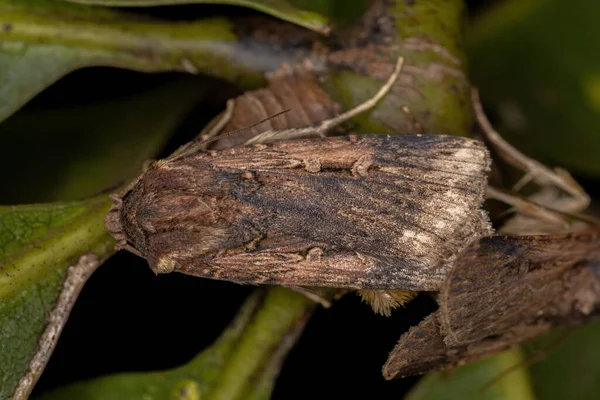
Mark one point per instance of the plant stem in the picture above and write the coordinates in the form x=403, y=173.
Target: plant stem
x=275, y=323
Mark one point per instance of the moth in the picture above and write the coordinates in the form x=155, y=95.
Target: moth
x=357, y=212
x=503, y=291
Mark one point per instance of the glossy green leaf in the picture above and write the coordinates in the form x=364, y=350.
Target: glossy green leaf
x=339, y=12
x=282, y=9
x=42, y=40
x=472, y=381
x=37, y=245
x=571, y=370
x=537, y=67
x=240, y=365
x=102, y=143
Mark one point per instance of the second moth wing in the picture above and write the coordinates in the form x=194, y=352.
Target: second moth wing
x=504, y=281
x=503, y=291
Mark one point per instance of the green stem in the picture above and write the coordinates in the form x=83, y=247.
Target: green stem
x=278, y=317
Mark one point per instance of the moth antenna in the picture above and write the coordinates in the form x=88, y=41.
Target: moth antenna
x=532, y=208
x=537, y=356
x=193, y=146
x=246, y=128
x=324, y=126
x=212, y=134
x=224, y=120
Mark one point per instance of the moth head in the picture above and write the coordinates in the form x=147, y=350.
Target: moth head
x=122, y=222
x=113, y=222
x=121, y=227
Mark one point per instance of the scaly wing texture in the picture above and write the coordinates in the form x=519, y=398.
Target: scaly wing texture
x=422, y=348
x=506, y=280
x=382, y=211
x=503, y=291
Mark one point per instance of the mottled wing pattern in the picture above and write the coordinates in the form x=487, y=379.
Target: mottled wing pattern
x=422, y=349
x=418, y=351
x=286, y=260
x=395, y=208
x=410, y=201
x=506, y=280
x=503, y=291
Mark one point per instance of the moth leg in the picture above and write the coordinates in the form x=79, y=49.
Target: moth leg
x=534, y=170
x=384, y=301
x=317, y=298
x=324, y=126
x=126, y=246
x=526, y=207
x=411, y=118
x=538, y=215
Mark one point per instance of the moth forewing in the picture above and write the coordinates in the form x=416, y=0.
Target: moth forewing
x=422, y=349
x=364, y=212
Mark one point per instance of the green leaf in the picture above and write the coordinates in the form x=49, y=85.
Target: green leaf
x=42, y=40
x=470, y=381
x=38, y=243
x=278, y=8
x=242, y=364
x=571, y=370
x=543, y=83
x=103, y=143
x=339, y=12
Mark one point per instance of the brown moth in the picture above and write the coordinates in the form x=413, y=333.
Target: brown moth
x=357, y=212
x=363, y=212
x=502, y=291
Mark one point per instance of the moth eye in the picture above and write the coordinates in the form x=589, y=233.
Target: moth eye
x=247, y=175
